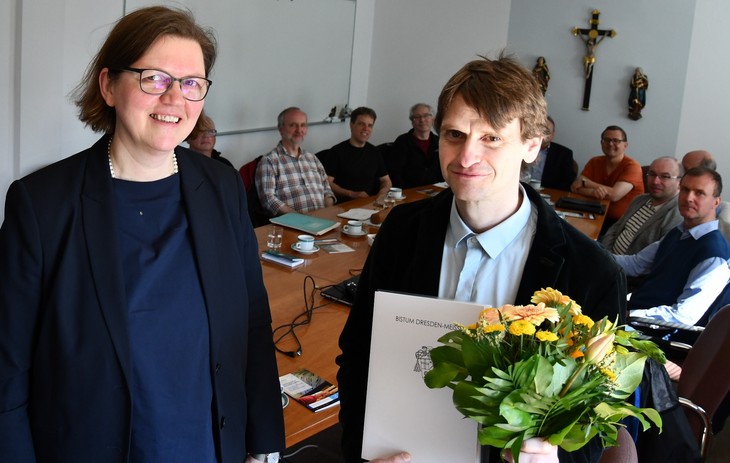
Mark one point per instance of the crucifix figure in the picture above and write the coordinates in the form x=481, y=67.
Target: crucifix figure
x=591, y=37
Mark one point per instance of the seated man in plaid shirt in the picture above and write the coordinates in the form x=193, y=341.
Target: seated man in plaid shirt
x=290, y=179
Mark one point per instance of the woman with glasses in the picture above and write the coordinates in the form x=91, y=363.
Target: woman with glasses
x=202, y=140
x=126, y=333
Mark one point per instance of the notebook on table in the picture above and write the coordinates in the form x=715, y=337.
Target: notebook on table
x=305, y=223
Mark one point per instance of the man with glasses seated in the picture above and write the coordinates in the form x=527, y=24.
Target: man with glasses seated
x=687, y=269
x=413, y=159
x=613, y=176
x=649, y=216
x=290, y=178
x=202, y=139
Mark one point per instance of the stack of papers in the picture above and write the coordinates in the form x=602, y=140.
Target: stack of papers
x=357, y=214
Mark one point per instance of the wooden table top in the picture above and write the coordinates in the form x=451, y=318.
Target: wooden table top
x=286, y=289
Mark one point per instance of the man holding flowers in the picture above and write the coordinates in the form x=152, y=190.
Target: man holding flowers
x=486, y=239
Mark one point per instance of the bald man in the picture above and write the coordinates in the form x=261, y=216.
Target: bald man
x=698, y=158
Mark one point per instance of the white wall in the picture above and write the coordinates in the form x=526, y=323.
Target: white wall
x=404, y=52
x=7, y=98
x=704, y=121
x=418, y=45
x=651, y=34
x=241, y=148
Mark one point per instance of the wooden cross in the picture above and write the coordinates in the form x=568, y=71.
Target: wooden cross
x=591, y=37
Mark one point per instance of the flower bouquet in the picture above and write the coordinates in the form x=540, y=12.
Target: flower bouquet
x=543, y=370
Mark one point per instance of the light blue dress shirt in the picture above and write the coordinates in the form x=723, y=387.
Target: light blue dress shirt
x=499, y=270
x=704, y=283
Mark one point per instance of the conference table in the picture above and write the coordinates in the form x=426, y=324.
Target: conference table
x=295, y=292
x=589, y=224
x=291, y=291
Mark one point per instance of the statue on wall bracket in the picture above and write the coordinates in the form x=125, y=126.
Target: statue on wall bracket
x=541, y=72
x=592, y=38
x=637, y=96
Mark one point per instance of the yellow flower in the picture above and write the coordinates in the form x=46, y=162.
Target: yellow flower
x=547, y=336
x=535, y=314
x=520, y=327
x=552, y=297
x=496, y=328
x=583, y=320
x=608, y=373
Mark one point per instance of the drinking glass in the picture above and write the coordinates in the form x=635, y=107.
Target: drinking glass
x=274, y=237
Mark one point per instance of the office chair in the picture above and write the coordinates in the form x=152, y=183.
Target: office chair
x=624, y=452
x=256, y=211
x=705, y=379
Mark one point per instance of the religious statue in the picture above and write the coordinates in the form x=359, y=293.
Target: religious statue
x=637, y=95
x=541, y=74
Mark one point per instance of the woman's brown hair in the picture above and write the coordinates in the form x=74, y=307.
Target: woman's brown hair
x=130, y=38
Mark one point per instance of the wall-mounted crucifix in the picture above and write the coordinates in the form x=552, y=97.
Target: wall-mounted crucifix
x=591, y=37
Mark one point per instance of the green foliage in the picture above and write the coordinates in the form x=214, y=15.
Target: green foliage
x=566, y=384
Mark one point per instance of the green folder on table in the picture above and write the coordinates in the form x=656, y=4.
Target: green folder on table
x=305, y=223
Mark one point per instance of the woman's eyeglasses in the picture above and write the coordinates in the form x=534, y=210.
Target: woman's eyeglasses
x=156, y=82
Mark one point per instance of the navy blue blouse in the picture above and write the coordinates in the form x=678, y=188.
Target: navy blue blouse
x=171, y=386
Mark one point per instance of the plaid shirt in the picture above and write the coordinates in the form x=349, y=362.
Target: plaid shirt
x=298, y=182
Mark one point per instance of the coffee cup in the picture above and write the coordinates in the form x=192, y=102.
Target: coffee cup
x=395, y=193
x=353, y=227
x=536, y=184
x=305, y=243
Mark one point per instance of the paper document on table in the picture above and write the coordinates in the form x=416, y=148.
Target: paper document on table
x=335, y=248
x=402, y=413
x=357, y=214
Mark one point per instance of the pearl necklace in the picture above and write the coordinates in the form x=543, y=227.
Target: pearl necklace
x=111, y=166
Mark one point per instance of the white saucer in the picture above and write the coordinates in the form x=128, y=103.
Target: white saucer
x=401, y=198
x=284, y=400
x=301, y=251
x=362, y=232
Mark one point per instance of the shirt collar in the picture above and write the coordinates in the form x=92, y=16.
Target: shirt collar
x=698, y=231
x=494, y=240
x=283, y=151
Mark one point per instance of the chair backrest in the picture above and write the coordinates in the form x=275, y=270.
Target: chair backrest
x=723, y=215
x=255, y=211
x=624, y=452
x=644, y=170
x=705, y=378
x=248, y=173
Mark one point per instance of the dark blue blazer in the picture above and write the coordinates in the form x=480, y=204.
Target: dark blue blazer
x=64, y=348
